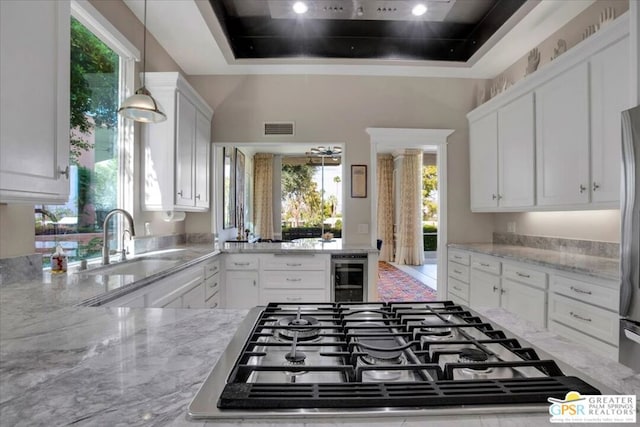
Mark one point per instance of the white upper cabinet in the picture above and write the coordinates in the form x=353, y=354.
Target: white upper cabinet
x=562, y=138
x=483, y=162
x=501, y=158
x=34, y=106
x=558, y=137
x=516, y=153
x=177, y=153
x=609, y=97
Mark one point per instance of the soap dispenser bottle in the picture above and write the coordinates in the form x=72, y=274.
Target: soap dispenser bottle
x=58, y=261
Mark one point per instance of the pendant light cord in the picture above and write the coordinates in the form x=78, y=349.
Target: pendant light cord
x=144, y=46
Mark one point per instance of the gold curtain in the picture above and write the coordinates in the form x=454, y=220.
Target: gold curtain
x=410, y=249
x=263, y=195
x=385, y=205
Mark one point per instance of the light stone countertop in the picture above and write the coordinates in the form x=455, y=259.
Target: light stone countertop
x=65, y=364
x=316, y=245
x=605, y=268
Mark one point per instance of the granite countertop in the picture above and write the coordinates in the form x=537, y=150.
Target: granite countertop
x=316, y=245
x=605, y=268
x=66, y=364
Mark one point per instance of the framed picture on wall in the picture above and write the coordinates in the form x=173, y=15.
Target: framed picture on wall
x=359, y=181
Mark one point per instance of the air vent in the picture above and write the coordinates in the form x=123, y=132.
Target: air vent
x=278, y=128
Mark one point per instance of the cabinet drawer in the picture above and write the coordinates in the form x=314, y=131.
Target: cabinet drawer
x=294, y=262
x=490, y=265
x=594, y=321
x=586, y=291
x=459, y=288
x=456, y=299
x=211, y=286
x=459, y=257
x=459, y=272
x=293, y=295
x=525, y=275
x=211, y=268
x=241, y=262
x=213, y=301
x=294, y=280
x=593, y=344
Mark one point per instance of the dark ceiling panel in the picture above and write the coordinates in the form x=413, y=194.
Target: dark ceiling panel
x=253, y=33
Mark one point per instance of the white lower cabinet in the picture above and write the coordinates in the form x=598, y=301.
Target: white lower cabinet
x=518, y=289
x=241, y=288
x=458, y=276
x=585, y=309
x=195, y=287
x=294, y=278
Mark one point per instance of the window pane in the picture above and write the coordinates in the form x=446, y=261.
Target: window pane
x=77, y=225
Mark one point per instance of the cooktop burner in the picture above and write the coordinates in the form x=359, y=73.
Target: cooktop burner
x=398, y=356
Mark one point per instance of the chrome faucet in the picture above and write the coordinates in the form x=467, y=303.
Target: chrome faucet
x=105, y=233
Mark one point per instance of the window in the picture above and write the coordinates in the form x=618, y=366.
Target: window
x=307, y=201
x=100, y=78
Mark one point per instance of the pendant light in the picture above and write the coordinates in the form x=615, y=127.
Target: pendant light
x=141, y=106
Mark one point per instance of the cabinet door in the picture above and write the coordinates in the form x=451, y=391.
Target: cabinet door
x=34, y=106
x=194, y=298
x=483, y=162
x=516, y=153
x=525, y=301
x=241, y=289
x=185, y=151
x=562, y=131
x=609, y=97
x=202, y=145
x=484, y=289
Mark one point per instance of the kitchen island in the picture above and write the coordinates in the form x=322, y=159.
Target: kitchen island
x=61, y=363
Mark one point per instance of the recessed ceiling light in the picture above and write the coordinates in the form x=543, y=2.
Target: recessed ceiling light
x=300, y=7
x=419, y=9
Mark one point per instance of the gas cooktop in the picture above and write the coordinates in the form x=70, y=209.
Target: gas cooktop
x=363, y=358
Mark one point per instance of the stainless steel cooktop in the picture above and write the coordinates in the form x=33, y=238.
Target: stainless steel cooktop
x=362, y=359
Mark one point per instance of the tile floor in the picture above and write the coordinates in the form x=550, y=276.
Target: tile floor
x=426, y=273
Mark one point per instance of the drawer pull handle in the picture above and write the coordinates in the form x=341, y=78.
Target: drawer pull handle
x=293, y=280
x=294, y=298
x=457, y=257
x=213, y=285
x=484, y=264
x=215, y=304
x=577, y=316
x=241, y=264
x=580, y=291
x=495, y=288
x=291, y=264
x=457, y=288
x=523, y=275
x=457, y=271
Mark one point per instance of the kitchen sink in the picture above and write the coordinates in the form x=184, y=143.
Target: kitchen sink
x=138, y=267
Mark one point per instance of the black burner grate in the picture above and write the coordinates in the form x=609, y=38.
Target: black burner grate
x=402, y=395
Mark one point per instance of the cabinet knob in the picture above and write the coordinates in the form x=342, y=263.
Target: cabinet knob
x=502, y=291
x=582, y=188
x=493, y=196
x=595, y=186
x=180, y=193
x=198, y=196
x=495, y=288
x=64, y=171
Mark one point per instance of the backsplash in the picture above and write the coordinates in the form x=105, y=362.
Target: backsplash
x=583, y=247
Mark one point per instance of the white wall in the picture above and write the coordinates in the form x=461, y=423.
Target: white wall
x=340, y=108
